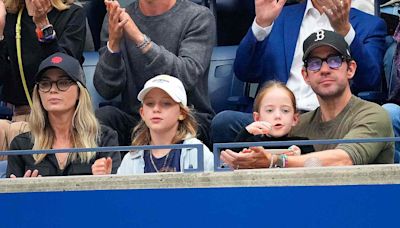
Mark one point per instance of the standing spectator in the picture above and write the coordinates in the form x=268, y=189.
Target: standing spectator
x=46, y=27
x=148, y=38
x=271, y=50
x=62, y=117
x=328, y=67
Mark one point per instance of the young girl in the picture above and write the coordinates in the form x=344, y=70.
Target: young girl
x=166, y=119
x=274, y=116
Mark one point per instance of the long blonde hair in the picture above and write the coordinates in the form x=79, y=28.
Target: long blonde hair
x=187, y=126
x=84, y=133
x=14, y=6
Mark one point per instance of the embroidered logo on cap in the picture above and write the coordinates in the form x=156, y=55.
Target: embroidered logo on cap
x=320, y=35
x=56, y=59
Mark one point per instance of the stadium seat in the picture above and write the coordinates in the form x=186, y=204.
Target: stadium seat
x=225, y=90
x=5, y=112
x=89, y=66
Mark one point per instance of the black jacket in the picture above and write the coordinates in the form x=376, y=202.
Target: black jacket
x=70, y=30
x=245, y=136
x=19, y=164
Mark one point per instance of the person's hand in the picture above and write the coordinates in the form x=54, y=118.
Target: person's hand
x=102, y=166
x=259, y=128
x=267, y=11
x=338, y=14
x=39, y=10
x=132, y=31
x=3, y=14
x=29, y=173
x=115, y=24
x=254, y=157
x=293, y=150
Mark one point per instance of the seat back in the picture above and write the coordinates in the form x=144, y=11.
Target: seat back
x=5, y=112
x=222, y=82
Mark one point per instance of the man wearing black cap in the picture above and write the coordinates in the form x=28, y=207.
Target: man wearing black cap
x=271, y=50
x=327, y=68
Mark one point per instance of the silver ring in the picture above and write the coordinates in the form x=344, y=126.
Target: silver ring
x=341, y=3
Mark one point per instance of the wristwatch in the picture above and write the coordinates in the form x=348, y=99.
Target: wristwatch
x=46, y=33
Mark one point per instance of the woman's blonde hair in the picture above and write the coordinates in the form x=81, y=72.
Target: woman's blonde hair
x=187, y=126
x=84, y=133
x=14, y=6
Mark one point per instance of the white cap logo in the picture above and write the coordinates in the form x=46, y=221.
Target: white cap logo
x=320, y=35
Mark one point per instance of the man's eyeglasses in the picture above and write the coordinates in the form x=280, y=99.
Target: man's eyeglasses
x=62, y=85
x=315, y=63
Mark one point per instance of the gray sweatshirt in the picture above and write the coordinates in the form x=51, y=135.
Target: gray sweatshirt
x=182, y=43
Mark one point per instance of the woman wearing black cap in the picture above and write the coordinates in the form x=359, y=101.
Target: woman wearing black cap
x=61, y=117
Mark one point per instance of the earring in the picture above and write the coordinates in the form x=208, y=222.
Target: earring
x=181, y=117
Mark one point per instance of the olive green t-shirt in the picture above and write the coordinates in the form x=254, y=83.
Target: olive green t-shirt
x=359, y=119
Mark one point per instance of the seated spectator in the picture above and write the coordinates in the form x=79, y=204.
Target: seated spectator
x=271, y=50
x=166, y=119
x=391, y=108
x=152, y=37
x=46, y=27
x=328, y=67
x=274, y=116
x=61, y=117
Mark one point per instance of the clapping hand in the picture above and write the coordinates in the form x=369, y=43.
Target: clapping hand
x=38, y=9
x=337, y=12
x=267, y=11
x=115, y=24
x=29, y=173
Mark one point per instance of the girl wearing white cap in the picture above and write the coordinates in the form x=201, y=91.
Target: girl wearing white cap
x=166, y=119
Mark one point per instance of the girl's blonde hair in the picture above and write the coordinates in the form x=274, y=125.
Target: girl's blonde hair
x=14, y=6
x=187, y=126
x=268, y=86
x=84, y=133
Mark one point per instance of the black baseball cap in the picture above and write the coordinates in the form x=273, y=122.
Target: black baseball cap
x=326, y=38
x=67, y=63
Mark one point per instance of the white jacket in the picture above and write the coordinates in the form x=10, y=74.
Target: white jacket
x=133, y=162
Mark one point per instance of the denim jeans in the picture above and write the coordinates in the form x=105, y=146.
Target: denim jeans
x=3, y=168
x=226, y=125
x=394, y=113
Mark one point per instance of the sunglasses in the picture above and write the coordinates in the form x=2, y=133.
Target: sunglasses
x=315, y=63
x=62, y=85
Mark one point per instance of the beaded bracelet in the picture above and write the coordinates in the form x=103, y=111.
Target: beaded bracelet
x=272, y=161
x=146, y=41
x=282, y=161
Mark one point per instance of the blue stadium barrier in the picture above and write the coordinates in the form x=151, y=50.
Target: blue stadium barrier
x=217, y=147
x=198, y=147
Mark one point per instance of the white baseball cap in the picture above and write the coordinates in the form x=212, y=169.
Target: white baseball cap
x=171, y=85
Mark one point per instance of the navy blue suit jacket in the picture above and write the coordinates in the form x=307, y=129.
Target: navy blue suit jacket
x=272, y=58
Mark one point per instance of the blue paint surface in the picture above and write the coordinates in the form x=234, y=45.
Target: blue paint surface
x=314, y=206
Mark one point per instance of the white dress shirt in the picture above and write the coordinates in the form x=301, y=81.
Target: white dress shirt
x=312, y=22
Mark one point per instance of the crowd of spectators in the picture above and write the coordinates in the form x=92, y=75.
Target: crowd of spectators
x=155, y=54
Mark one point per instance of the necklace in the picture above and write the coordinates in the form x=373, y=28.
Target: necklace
x=62, y=160
x=154, y=165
